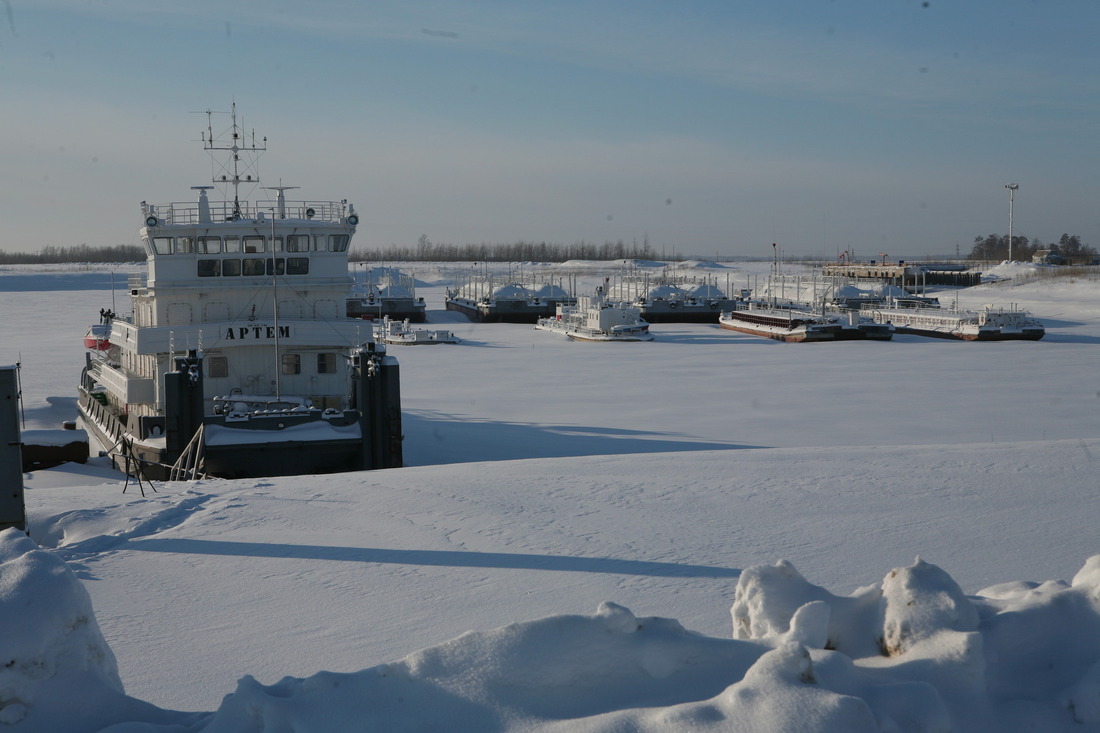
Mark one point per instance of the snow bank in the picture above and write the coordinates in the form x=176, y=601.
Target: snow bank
x=56, y=671
x=912, y=653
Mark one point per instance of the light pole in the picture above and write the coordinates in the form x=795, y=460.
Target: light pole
x=1012, y=187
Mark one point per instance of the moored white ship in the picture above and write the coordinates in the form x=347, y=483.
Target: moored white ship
x=594, y=318
x=237, y=358
x=987, y=324
x=401, y=333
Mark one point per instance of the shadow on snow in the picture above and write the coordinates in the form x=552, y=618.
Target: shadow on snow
x=435, y=558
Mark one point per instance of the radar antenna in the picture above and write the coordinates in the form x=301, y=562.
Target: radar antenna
x=233, y=171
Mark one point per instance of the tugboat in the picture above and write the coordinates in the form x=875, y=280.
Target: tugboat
x=237, y=359
x=593, y=318
x=400, y=333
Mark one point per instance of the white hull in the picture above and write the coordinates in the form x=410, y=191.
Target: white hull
x=988, y=324
x=594, y=319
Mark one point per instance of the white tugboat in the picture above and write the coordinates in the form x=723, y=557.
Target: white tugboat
x=594, y=318
x=401, y=333
x=238, y=359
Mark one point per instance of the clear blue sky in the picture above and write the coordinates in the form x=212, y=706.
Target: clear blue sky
x=707, y=127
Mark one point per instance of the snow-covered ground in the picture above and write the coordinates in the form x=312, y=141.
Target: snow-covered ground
x=759, y=508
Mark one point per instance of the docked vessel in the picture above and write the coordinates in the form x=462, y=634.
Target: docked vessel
x=386, y=291
x=401, y=333
x=237, y=358
x=987, y=324
x=594, y=318
x=484, y=299
x=667, y=299
x=774, y=321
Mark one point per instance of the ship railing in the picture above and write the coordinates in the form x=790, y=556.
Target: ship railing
x=188, y=212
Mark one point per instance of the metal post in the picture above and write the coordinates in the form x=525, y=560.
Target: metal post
x=1012, y=188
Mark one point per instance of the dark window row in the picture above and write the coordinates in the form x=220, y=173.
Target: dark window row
x=251, y=244
x=251, y=266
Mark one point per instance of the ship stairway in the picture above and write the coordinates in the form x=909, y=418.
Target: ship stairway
x=189, y=466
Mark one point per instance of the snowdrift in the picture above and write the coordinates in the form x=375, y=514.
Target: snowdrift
x=911, y=653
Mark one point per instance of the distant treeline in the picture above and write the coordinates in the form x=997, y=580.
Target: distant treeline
x=80, y=253
x=994, y=247
x=426, y=251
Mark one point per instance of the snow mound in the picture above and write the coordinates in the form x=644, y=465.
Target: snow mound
x=912, y=653
x=57, y=672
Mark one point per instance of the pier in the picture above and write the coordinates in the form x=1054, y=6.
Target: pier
x=906, y=276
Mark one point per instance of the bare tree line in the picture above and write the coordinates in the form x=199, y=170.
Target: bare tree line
x=426, y=251
x=50, y=255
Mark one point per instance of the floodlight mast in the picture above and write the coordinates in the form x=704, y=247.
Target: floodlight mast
x=1012, y=188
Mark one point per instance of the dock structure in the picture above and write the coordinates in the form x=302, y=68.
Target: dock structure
x=906, y=275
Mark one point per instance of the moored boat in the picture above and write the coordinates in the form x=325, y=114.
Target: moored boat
x=236, y=359
x=386, y=291
x=663, y=298
x=401, y=333
x=986, y=324
x=484, y=299
x=595, y=318
x=791, y=324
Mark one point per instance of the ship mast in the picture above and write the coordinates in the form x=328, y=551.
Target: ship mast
x=234, y=171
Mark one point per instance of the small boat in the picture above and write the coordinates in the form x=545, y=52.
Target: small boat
x=235, y=359
x=98, y=337
x=400, y=333
x=987, y=324
x=782, y=322
x=594, y=318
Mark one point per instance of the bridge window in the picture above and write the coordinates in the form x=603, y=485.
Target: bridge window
x=253, y=244
x=210, y=245
x=185, y=245
x=162, y=245
x=233, y=244
x=209, y=268
x=297, y=243
x=254, y=266
x=338, y=242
